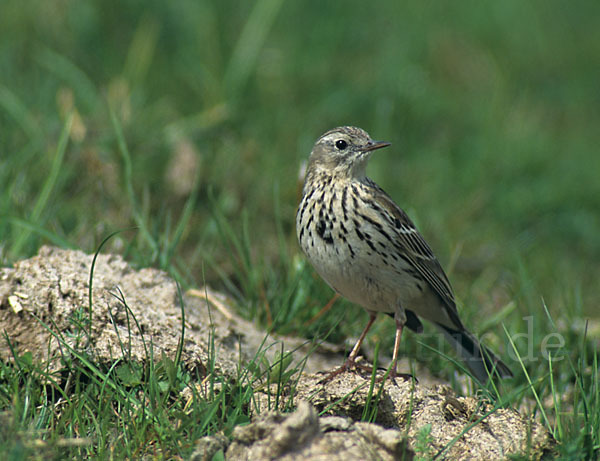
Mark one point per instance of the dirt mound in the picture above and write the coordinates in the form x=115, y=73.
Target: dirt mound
x=48, y=296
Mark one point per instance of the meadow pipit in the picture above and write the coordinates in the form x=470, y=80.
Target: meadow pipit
x=368, y=250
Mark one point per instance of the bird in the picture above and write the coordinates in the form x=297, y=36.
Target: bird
x=369, y=251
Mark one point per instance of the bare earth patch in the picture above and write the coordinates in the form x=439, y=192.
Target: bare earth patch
x=133, y=310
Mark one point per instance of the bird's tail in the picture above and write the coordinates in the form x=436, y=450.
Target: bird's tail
x=482, y=362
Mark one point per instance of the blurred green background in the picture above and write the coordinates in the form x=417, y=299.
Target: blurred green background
x=493, y=110
x=191, y=120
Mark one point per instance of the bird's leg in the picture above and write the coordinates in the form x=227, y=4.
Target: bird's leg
x=351, y=360
x=400, y=318
x=356, y=349
x=399, y=328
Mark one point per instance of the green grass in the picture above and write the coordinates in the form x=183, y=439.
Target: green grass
x=189, y=120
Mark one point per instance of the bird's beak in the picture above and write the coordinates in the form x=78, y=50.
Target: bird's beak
x=372, y=145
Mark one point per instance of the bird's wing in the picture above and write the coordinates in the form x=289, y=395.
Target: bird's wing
x=411, y=244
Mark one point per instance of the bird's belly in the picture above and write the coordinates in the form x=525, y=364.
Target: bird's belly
x=362, y=281
x=352, y=254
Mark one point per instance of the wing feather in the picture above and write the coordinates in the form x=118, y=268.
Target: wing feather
x=416, y=250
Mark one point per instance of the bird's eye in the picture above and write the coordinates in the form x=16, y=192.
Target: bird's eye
x=341, y=144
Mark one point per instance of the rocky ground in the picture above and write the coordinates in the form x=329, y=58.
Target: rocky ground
x=45, y=293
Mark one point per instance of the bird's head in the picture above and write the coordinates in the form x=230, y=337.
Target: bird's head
x=343, y=152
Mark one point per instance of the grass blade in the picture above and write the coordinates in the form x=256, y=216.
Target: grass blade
x=48, y=186
x=245, y=55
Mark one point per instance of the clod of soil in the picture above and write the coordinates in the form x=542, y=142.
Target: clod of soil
x=48, y=295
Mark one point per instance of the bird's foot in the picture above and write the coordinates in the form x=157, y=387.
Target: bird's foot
x=393, y=375
x=349, y=364
x=355, y=365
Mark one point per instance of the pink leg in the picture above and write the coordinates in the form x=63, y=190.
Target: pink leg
x=399, y=327
x=353, y=353
x=358, y=345
x=393, y=371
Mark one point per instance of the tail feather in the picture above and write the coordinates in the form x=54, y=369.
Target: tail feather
x=482, y=362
